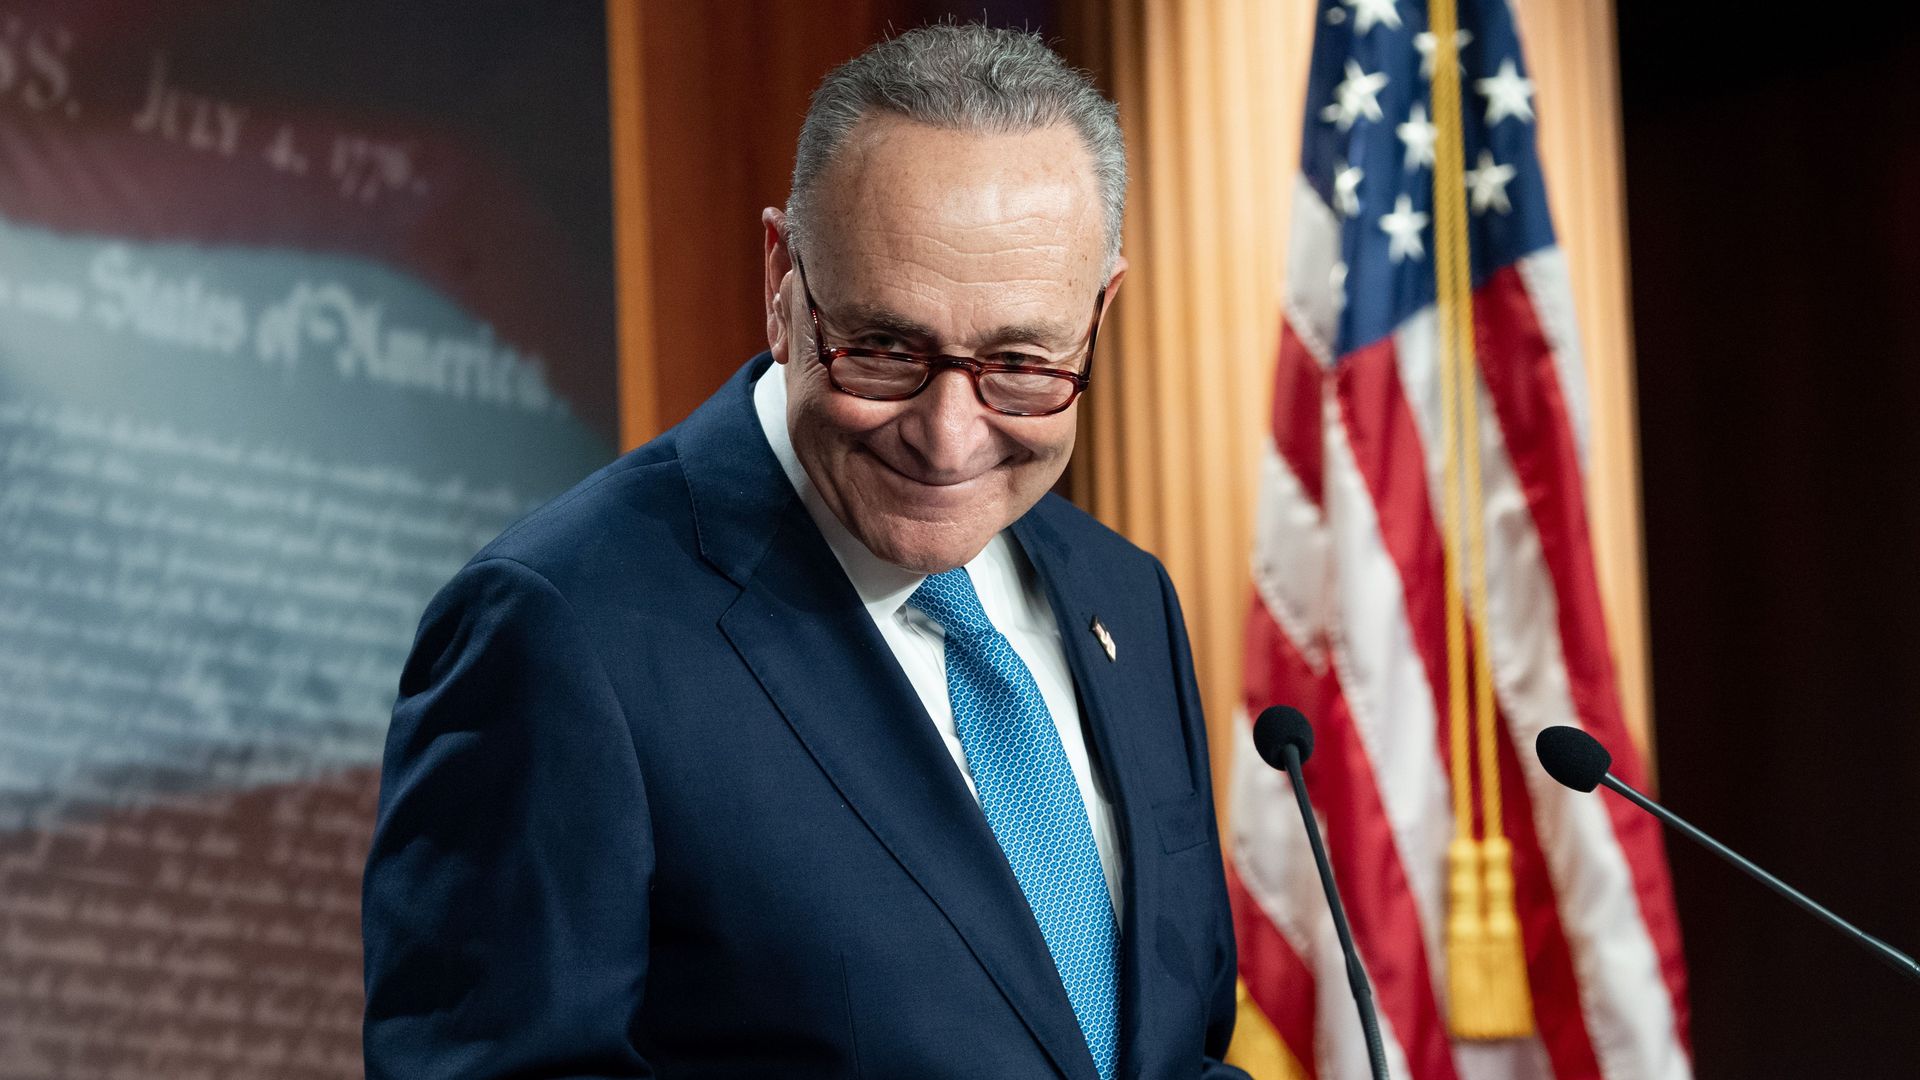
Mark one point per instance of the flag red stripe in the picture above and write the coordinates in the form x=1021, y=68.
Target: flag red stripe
x=1518, y=367
x=1360, y=845
x=1275, y=672
x=1296, y=411
x=1276, y=978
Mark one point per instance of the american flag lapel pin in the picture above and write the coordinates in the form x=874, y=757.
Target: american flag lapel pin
x=1106, y=639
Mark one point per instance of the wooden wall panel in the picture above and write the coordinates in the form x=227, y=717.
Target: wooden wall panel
x=632, y=225
x=711, y=120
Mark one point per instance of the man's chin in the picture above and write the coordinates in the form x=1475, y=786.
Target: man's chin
x=923, y=548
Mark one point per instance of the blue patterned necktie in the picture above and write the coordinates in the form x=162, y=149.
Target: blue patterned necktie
x=1032, y=804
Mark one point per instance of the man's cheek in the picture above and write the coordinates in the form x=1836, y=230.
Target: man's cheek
x=1050, y=447
x=864, y=423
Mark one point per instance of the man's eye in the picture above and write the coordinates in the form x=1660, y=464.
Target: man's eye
x=1020, y=359
x=882, y=342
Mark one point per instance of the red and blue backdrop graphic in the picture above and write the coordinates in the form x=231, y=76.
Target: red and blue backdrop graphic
x=299, y=305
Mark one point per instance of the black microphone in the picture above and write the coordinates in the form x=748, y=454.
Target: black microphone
x=1577, y=760
x=1285, y=739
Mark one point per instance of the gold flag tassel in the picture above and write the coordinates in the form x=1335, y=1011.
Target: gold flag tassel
x=1506, y=1002
x=1487, y=992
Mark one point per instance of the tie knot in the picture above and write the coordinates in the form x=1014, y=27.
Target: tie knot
x=948, y=599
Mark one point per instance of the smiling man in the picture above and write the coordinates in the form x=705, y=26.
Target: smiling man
x=815, y=738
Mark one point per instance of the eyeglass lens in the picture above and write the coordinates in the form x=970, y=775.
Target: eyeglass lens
x=1010, y=391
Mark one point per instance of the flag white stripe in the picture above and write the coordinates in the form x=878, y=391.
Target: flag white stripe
x=1313, y=247
x=1550, y=289
x=1291, y=573
x=1387, y=692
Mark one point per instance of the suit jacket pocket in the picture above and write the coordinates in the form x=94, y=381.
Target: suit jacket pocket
x=1183, y=821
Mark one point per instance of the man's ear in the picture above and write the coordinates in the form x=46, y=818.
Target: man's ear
x=774, y=291
x=1113, y=284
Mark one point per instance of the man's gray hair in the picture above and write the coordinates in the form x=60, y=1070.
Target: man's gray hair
x=968, y=77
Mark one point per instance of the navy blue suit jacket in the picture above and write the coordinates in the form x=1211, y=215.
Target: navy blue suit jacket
x=658, y=800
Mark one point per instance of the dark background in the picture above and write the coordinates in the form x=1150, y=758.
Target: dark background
x=1773, y=208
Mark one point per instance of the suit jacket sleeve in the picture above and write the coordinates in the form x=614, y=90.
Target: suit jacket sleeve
x=1222, y=999
x=505, y=901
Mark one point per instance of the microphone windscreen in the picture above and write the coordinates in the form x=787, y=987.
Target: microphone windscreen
x=1281, y=726
x=1572, y=757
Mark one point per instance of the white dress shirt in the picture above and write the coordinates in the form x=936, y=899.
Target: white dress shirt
x=1014, y=600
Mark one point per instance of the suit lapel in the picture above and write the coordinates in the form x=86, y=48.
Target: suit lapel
x=1074, y=595
x=800, y=627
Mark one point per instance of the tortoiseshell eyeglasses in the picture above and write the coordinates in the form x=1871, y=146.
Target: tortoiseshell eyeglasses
x=1020, y=388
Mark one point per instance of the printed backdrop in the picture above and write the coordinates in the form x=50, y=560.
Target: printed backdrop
x=299, y=305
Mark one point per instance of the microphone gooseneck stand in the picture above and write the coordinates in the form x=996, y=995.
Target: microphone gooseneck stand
x=1284, y=739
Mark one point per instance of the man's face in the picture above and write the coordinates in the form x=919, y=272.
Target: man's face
x=934, y=241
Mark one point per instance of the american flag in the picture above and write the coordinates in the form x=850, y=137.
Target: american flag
x=1350, y=616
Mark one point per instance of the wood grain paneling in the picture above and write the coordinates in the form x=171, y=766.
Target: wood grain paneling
x=709, y=97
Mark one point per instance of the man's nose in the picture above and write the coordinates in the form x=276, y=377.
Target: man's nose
x=947, y=421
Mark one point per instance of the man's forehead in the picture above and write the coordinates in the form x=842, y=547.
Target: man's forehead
x=897, y=173
x=912, y=208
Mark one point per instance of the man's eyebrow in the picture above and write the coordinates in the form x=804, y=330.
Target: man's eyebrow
x=889, y=322
x=1037, y=333
x=1046, y=332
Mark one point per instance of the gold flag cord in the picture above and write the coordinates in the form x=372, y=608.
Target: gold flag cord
x=1487, y=992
